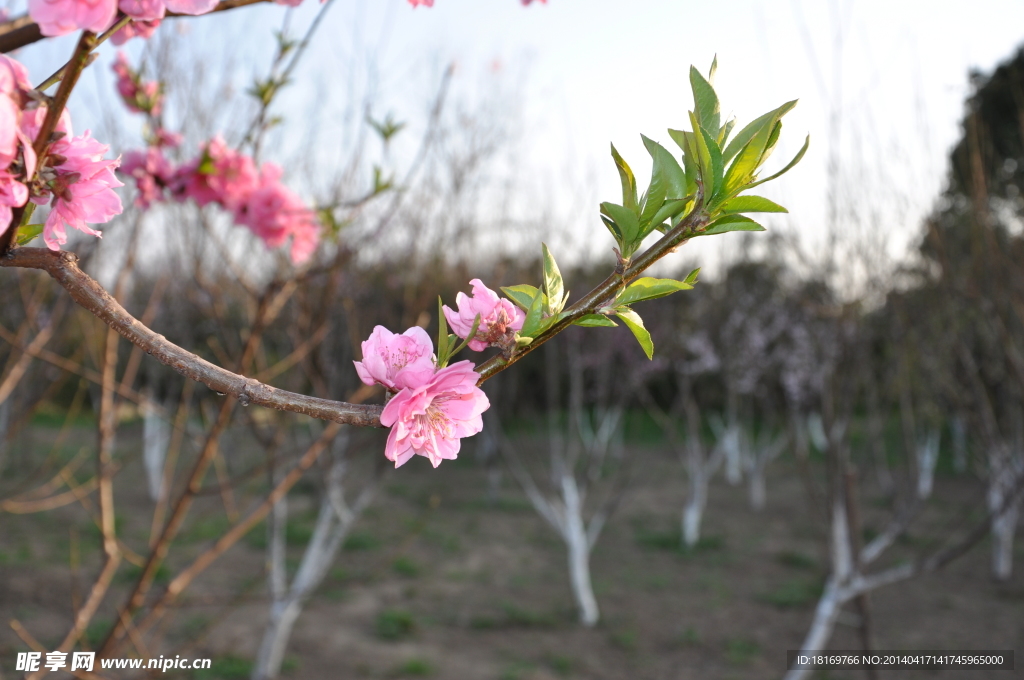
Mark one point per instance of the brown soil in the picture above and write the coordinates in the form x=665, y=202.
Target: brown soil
x=438, y=582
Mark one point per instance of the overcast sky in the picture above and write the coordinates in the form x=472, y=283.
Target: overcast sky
x=881, y=83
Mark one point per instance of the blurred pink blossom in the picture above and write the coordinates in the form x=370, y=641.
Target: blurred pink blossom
x=138, y=96
x=220, y=175
x=499, y=318
x=137, y=28
x=396, y=361
x=274, y=212
x=13, y=194
x=151, y=171
x=143, y=10
x=425, y=3
x=82, y=188
x=431, y=419
x=164, y=137
x=57, y=17
x=193, y=7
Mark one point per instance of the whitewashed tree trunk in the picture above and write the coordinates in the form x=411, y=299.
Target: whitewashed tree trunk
x=156, y=434
x=334, y=522
x=732, y=446
x=758, y=455
x=1005, y=468
x=578, y=546
x=926, y=455
x=693, y=511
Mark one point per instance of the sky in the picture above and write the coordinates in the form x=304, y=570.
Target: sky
x=881, y=86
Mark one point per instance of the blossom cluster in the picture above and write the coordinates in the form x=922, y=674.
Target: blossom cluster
x=433, y=406
x=59, y=17
x=219, y=175
x=71, y=175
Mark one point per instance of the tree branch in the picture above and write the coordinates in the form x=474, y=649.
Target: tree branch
x=85, y=291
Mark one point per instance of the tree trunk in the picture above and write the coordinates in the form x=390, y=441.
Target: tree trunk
x=155, y=437
x=579, y=553
x=926, y=455
x=1001, y=484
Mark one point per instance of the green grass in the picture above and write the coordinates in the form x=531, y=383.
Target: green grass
x=796, y=560
x=560, y=664
x=395, y=624
x=406, y=567
x=225, y=668
x=793, y=593
x=741, y=652
x=415, y=667
x=361, y=540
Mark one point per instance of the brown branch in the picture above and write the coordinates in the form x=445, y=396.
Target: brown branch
x=22, y=31
x=85, y=291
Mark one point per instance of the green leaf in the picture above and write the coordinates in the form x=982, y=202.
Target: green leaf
x=670, y=209
x=752, y=128
x=668, y=167
x=717, y=168
x=594, y=321
x=534, y=317
x=789, y=166
x=713, y=70
x=27, y=232
x=731, y=223
x=773, y=139
x=613, y=228
x=691, y=278
x=627, y=222
x=552, y=281
x=698, y=141
x=682, y=139
x=522, y=295
x=726, y=130
x=627, y=179
x=442, y=335
x=649, y=288
x=636, y=324
x=658, y=190
x=743, y=204
x=705, y=102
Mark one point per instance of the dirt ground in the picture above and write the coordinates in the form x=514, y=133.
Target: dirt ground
x=438, y=581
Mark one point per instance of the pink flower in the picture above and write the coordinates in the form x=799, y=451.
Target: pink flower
x=143, y=10
x=82, y=186
x=138, y=27
x=396, y=361
x=138, y=96
x=220, y=175
x=431, y=419
x=13, y=84
x=290, y=3
x=57, y=17
x=152, y=172
x=499, y=318
x=193, y=7
x=274, y=213
x=163, y=137
x=527, y=2
x=13, y=194
x=425, y=3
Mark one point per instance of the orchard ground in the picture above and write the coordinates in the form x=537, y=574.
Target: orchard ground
x=440, y=580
